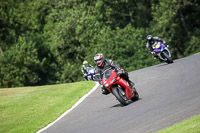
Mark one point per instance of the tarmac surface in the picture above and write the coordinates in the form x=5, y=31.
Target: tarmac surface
x=169, y=94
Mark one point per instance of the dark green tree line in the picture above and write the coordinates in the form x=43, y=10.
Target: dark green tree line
x=45, y=42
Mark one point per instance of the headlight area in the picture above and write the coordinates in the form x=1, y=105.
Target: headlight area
x=107, y=85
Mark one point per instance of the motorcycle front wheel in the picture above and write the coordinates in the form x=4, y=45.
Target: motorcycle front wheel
x=169, y=59
x=118, y=93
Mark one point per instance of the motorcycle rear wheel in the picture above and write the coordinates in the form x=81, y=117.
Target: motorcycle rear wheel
x=136, y=95
x=120, y=98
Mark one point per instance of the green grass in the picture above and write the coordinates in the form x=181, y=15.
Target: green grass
x=28, y=109
x=189, y=126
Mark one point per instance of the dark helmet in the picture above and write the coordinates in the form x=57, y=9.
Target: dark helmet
x=99, y=59
x=149, y=37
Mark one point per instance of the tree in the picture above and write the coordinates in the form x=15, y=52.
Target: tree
x=175, y=21
x=27, y=63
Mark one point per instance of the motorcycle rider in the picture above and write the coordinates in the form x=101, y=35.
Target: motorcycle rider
x=102, y=65
x=151, y=41
x=83, y=69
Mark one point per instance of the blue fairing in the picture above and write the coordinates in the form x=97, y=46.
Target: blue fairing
x=159, y=47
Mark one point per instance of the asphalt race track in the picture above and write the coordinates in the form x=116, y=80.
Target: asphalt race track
x=169, y=94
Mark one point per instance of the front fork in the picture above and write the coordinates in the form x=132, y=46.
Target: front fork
x=161, y=53
x=121, y=91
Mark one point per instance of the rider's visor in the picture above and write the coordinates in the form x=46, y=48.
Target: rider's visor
x=98, y=61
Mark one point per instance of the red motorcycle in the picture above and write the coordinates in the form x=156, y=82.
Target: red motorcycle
x=119, y=87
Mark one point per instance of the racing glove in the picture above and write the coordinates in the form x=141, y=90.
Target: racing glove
x=120, y=72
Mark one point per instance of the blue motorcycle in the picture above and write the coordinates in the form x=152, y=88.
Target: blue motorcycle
x=162, y=52
x=90, y=73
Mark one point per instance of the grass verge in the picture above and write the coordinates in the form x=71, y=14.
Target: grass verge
x=28, y=109
x=189, y=126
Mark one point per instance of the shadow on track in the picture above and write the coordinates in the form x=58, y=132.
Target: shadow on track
x=120, y=105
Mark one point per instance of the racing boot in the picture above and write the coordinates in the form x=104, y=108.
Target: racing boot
x=155, y=56
x=104, y=91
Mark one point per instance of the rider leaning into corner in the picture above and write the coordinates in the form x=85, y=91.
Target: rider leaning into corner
x=151, y=41
x=102, y=65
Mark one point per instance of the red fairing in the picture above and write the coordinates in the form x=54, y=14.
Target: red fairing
x=129, y=90
x=115, y=80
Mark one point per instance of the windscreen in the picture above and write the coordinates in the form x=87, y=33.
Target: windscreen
x=107, y=74
x=88, y=69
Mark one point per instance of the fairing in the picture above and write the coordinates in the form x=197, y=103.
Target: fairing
x=110, y=79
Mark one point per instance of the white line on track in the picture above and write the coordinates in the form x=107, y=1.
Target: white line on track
x=75, y=105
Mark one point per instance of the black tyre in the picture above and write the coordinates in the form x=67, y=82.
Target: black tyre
x=136, y=96
x=169, y=59
x=120, y=97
